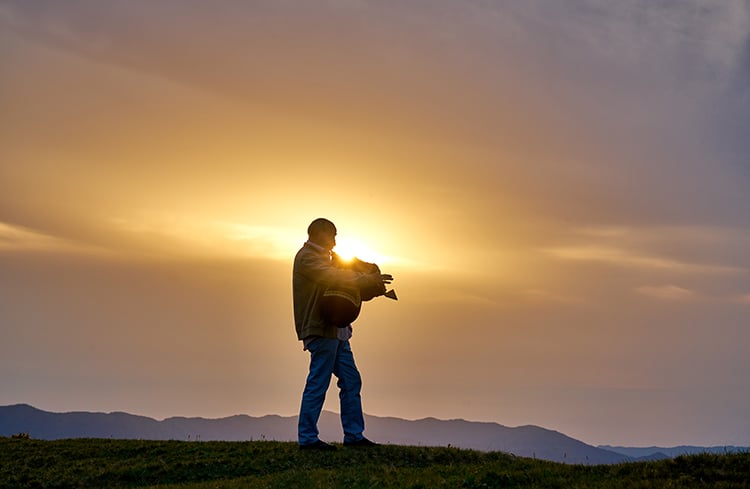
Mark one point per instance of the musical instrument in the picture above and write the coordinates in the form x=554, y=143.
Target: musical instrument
x=341, y=305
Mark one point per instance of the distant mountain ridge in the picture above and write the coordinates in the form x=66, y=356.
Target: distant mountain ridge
x=525, y=441
x=654, y=453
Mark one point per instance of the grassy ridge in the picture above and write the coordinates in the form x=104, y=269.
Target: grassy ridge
x=92, y=463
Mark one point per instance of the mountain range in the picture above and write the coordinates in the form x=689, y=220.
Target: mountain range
x=525, y=441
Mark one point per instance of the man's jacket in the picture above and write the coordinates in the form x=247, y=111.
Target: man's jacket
x=313, y=274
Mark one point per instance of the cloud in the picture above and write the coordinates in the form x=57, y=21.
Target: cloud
x=695, y=44
x=19, y=238
x=666, y=292
x=681, y=249
x=539, y=295
x=190, y=234
x=627, y=258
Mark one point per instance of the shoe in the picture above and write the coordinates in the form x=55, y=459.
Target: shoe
x=318, y=445
x=363, y=443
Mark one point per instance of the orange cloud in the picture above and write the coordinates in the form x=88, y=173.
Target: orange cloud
x=19, y=238
x=666, y=292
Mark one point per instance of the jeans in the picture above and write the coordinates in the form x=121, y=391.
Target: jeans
x=331, y=356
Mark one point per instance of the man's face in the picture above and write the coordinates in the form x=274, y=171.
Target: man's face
x=326, y=239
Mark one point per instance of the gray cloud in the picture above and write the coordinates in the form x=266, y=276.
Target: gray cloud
x=632, y=105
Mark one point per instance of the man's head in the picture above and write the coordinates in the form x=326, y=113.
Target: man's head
x=322, y=232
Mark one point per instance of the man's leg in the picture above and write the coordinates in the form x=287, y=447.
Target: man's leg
x=350, y=385
x=322, y=360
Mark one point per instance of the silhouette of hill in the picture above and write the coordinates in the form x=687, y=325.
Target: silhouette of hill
x=526, y=441
x=658, y=453
x=22, y=418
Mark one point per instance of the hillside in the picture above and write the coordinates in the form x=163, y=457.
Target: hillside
x=97, y=463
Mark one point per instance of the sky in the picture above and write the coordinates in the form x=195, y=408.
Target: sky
x=560, y=188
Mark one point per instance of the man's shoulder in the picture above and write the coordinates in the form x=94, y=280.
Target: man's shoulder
x=308, y=255
x=306, y=251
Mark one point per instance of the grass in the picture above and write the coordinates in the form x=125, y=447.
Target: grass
x=92, y=463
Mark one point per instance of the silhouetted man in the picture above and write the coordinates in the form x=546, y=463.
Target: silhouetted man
x=328, y=344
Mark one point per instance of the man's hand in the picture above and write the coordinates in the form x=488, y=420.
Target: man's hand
x=376, y=286
x=387, y=278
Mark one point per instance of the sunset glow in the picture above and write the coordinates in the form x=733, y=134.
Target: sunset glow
x=560, y=190
x=348, y=248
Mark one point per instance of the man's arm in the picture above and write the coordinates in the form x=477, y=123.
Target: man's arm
x=320, y=270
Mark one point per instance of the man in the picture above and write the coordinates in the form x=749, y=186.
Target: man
x=330, y=352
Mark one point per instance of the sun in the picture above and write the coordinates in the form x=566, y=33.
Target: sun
x=348, y=248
